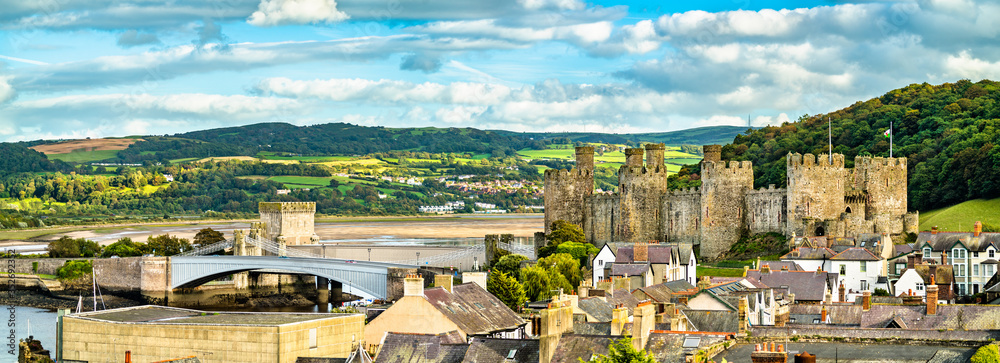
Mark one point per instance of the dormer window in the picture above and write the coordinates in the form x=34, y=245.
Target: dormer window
x=992, y=253
x=927, y=252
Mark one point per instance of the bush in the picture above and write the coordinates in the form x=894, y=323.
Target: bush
x=510, y=265
x=881, y=292
x=74, y=269
x=124, y=247
x=986, y=354
x=70, y=247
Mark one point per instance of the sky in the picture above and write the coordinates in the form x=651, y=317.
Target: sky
x=101, y=68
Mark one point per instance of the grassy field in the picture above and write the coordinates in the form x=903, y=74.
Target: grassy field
x=962, y=216
x=84, y=156
x=304, y=181
x=183, y=160
x=720, y=272
x=683, y=161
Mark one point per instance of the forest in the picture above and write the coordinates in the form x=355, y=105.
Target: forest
x=948, y=133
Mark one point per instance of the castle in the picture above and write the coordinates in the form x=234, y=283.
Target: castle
x=822, y=198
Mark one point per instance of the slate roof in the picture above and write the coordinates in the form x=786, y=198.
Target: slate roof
x=677, y=286
x=496, y=350
x=713, y=321
x=952, y=317
x=683, y=251
x=806, y=285
x=669, y=347
x=903, y=249
x=573, y=347
x=421, y=348
x=654, y=254
x=591, y=328
x=943, y=241
x=943, y=274
x=855, y=254
x=622, y=297
x=806, y=253
x=596, y=307
x=318, y=360
x=475, y=311
x=839, y=314
x=777, y=265
x=629, y=269
x=657, y=293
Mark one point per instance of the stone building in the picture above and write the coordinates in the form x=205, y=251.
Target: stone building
x=289, y=222
x=822, y=198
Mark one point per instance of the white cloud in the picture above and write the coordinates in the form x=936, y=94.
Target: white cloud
x=285, y=12
x=7, y=92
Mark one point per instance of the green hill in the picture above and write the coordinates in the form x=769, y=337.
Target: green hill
x=960, y=217
x=947, y=132
x=696, y=136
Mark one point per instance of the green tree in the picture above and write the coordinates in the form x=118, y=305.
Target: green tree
x=166, y=245
x=208, y=236
x=510, y=265
x=124, y=247
x=537, y=283
x=562, y=232
x=70, y=247
x=622, y=351
x=507, y=289
x=579, y=251
x=74, y=269
x=986, y=354
x=565, y=266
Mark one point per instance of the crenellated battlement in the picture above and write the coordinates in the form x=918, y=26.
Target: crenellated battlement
x=769, y=190
x=639, y=170
x=692, y=191
x=731, y=166
x=563, y=173
x=868, y=161
x=797, y=160
x=276, y=207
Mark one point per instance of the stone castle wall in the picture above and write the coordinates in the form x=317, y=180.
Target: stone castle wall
x=601, y=210
x=723, y=202
x=766, y=210
x=566, y=190
x=885, y=181
x=815, y=190
x=293, y=221
x=682, y=209
x=641, y=189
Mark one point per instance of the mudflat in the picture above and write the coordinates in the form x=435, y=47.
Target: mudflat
x=475, y=226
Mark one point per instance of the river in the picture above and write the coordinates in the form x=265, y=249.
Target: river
x=41, y=323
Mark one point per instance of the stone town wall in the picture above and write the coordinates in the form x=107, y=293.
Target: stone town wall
x=682, y=211
x=295, y=221
x=766, y=210
x=884, y=179
x=119, y=274
x=566, y=190
x=815, y=190
x=600, y=218
x=47, y=266
x=723, y=200
x=394, y=281
x=641, y=189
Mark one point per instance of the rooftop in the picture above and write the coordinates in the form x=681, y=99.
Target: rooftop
x=151, y=314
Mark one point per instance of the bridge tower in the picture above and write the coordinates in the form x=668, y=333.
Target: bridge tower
x=292, y=223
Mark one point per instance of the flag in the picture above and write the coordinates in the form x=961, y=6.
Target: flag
x=888, y=132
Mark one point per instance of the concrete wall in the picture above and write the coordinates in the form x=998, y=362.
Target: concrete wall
x=103, y=341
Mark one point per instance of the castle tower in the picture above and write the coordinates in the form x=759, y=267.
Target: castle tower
x=641, y=189
x=292, y=223
x=566, y=190
x=815, y=192
x=712, y=153
x=724, y=186
x=884, y=179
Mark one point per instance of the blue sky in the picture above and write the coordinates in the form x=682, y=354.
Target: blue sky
x=75, y=68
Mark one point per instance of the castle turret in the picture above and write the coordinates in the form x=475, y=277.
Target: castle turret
x=724, y=186
x=641, y=189
x=815, y=190
x=884, y=180
x=654, y=155
x=291, y=221
x=712, y=152
x=566, y=190
x=633, y=156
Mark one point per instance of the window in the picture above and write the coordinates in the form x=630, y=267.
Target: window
x=961, y=289
x=975, y=254
x=927, y=252
x=959, y=254
x=975, y=269
x=960, y=269
x=864, y=285
x=815, y=321
x=843, y=269
x=864, y=266
x=920, y=286
x=988, y=270
x=900, y=267
x=992, y=254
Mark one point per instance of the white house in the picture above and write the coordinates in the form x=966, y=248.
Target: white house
x=858, y=269
x=974, y=255
x=605, y=256
x=910, y=282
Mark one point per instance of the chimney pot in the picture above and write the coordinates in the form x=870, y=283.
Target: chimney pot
x=934, y=230
x=944, y=257
x=866, y=301
x=977, y=229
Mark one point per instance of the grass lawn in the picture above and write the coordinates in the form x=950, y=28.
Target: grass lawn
x=307, y=181
x=182, y=160
x=353, y=162
x=962, y=216
x=720, y=272
x=84, y=156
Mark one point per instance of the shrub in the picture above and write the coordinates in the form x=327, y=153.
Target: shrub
x=986, y=354
x=74, y=269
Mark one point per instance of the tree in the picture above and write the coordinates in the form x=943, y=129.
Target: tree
x=166, y=245
x=563, y=269
x=986, y=354
x=562, y=232
x=334, y=183
x=70, y=247
x=74, y=269
x=881, y=292
x=208, y=236
x=536, y=282
x=507, y=289
x=579, y=251
x=622, y=351
x=510, y=265
x=124, y=247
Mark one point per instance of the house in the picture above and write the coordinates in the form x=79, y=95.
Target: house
x=600, y=262
x=638, y=274
x=858, y=269
x=810, y=258
x=496, y=350
x=974, y=255
x=809, y=287
x=466, y=308
x=932, y=316
x=666, y=262
x=447, y=347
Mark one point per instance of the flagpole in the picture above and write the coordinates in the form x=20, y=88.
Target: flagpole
x=830, y=128
x=890, y=138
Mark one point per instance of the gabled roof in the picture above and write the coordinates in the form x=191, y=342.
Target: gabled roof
x=496, y=350
x=670, y=347
x=573, y=347
x=948, y=317
x=806, y=285
x=713, y=321
x=943, y=274
x=677, y=286
x=778, y=265
x=806, y=253
x=596, y=307
x=655, y=253
x=683, y=252
x=657, y=293
x=624, y=298
x=474, y=310
x=944, y=241
x=422, y=348
x=715, y=296
x=856, y=254
x=629, y=269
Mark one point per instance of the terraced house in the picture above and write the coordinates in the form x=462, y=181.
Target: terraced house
x=973, y=255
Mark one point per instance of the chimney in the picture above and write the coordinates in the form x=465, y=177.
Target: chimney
x=977, y=229
x=745, y=270
x=932, y=297
x=866, y=301
x=769, y=353
x=944, y=257
x=413, y=285
x=791, y=298
x=765, y=269
x=643, y=318
x=705, y=283
x=805, y=357
x=444, y=281
x=911, y=261
x=478, y=277
x=555, y=321
x=128, y=356
x=819, y=269
x=683, y=300
x=583, y=291
x=843, y=298
x=640, y=252
x=828, y=298
x=784, y=267
x=823, y=315
x=829, y=241
x=742, y=316
x=619, y=316
x=934, y=230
